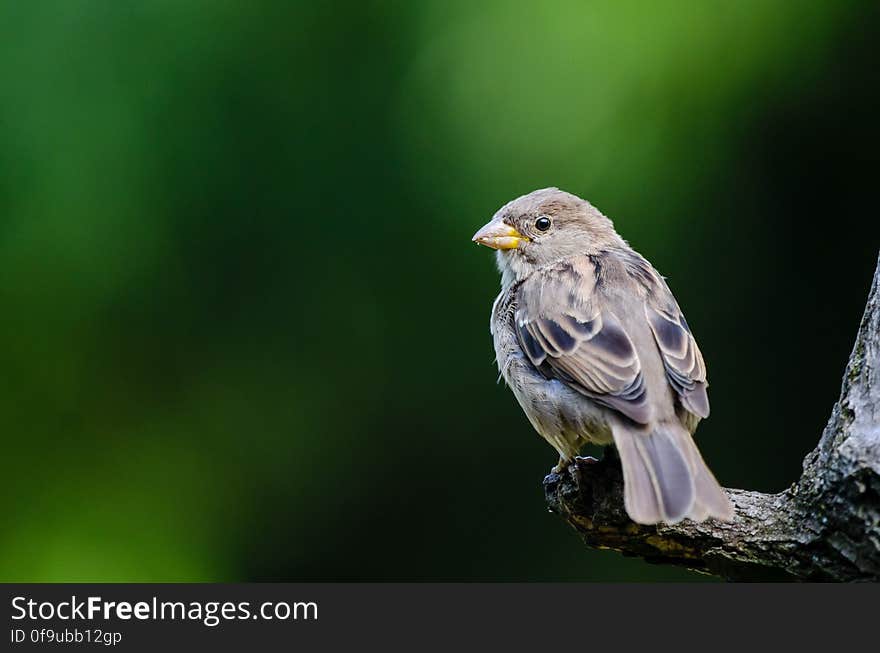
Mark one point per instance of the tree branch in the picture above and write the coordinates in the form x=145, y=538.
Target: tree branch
x=826, y=526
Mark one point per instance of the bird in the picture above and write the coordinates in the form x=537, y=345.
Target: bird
x=595, y=348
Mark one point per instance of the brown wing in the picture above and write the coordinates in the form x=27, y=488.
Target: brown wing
x=685, y=368
x=569, y=335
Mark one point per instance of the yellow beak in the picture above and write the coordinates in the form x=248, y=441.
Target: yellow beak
x=499, y=235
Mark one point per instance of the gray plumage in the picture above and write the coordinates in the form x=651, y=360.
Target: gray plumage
x=595, y=348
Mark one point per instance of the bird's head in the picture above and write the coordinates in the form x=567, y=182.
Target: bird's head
x=545, y=227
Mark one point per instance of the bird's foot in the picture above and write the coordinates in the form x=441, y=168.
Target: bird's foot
x=560, y=467
x=570, y=465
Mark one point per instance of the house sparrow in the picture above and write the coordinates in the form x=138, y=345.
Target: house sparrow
x=595, y=348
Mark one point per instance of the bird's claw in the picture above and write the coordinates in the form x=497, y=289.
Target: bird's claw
x=568, y=465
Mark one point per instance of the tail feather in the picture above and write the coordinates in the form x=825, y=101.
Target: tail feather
x=710, y=499
x=665, y=477
x=639, y=492
x=670, y=474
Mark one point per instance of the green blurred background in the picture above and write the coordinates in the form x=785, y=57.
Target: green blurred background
x=244, y=329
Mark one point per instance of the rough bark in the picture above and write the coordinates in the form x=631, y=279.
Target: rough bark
x=825, y=527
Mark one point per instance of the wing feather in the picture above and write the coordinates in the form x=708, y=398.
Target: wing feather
x=568, y=334
x=685, y=368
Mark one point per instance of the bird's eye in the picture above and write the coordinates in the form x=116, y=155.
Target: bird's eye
x=542, y=224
